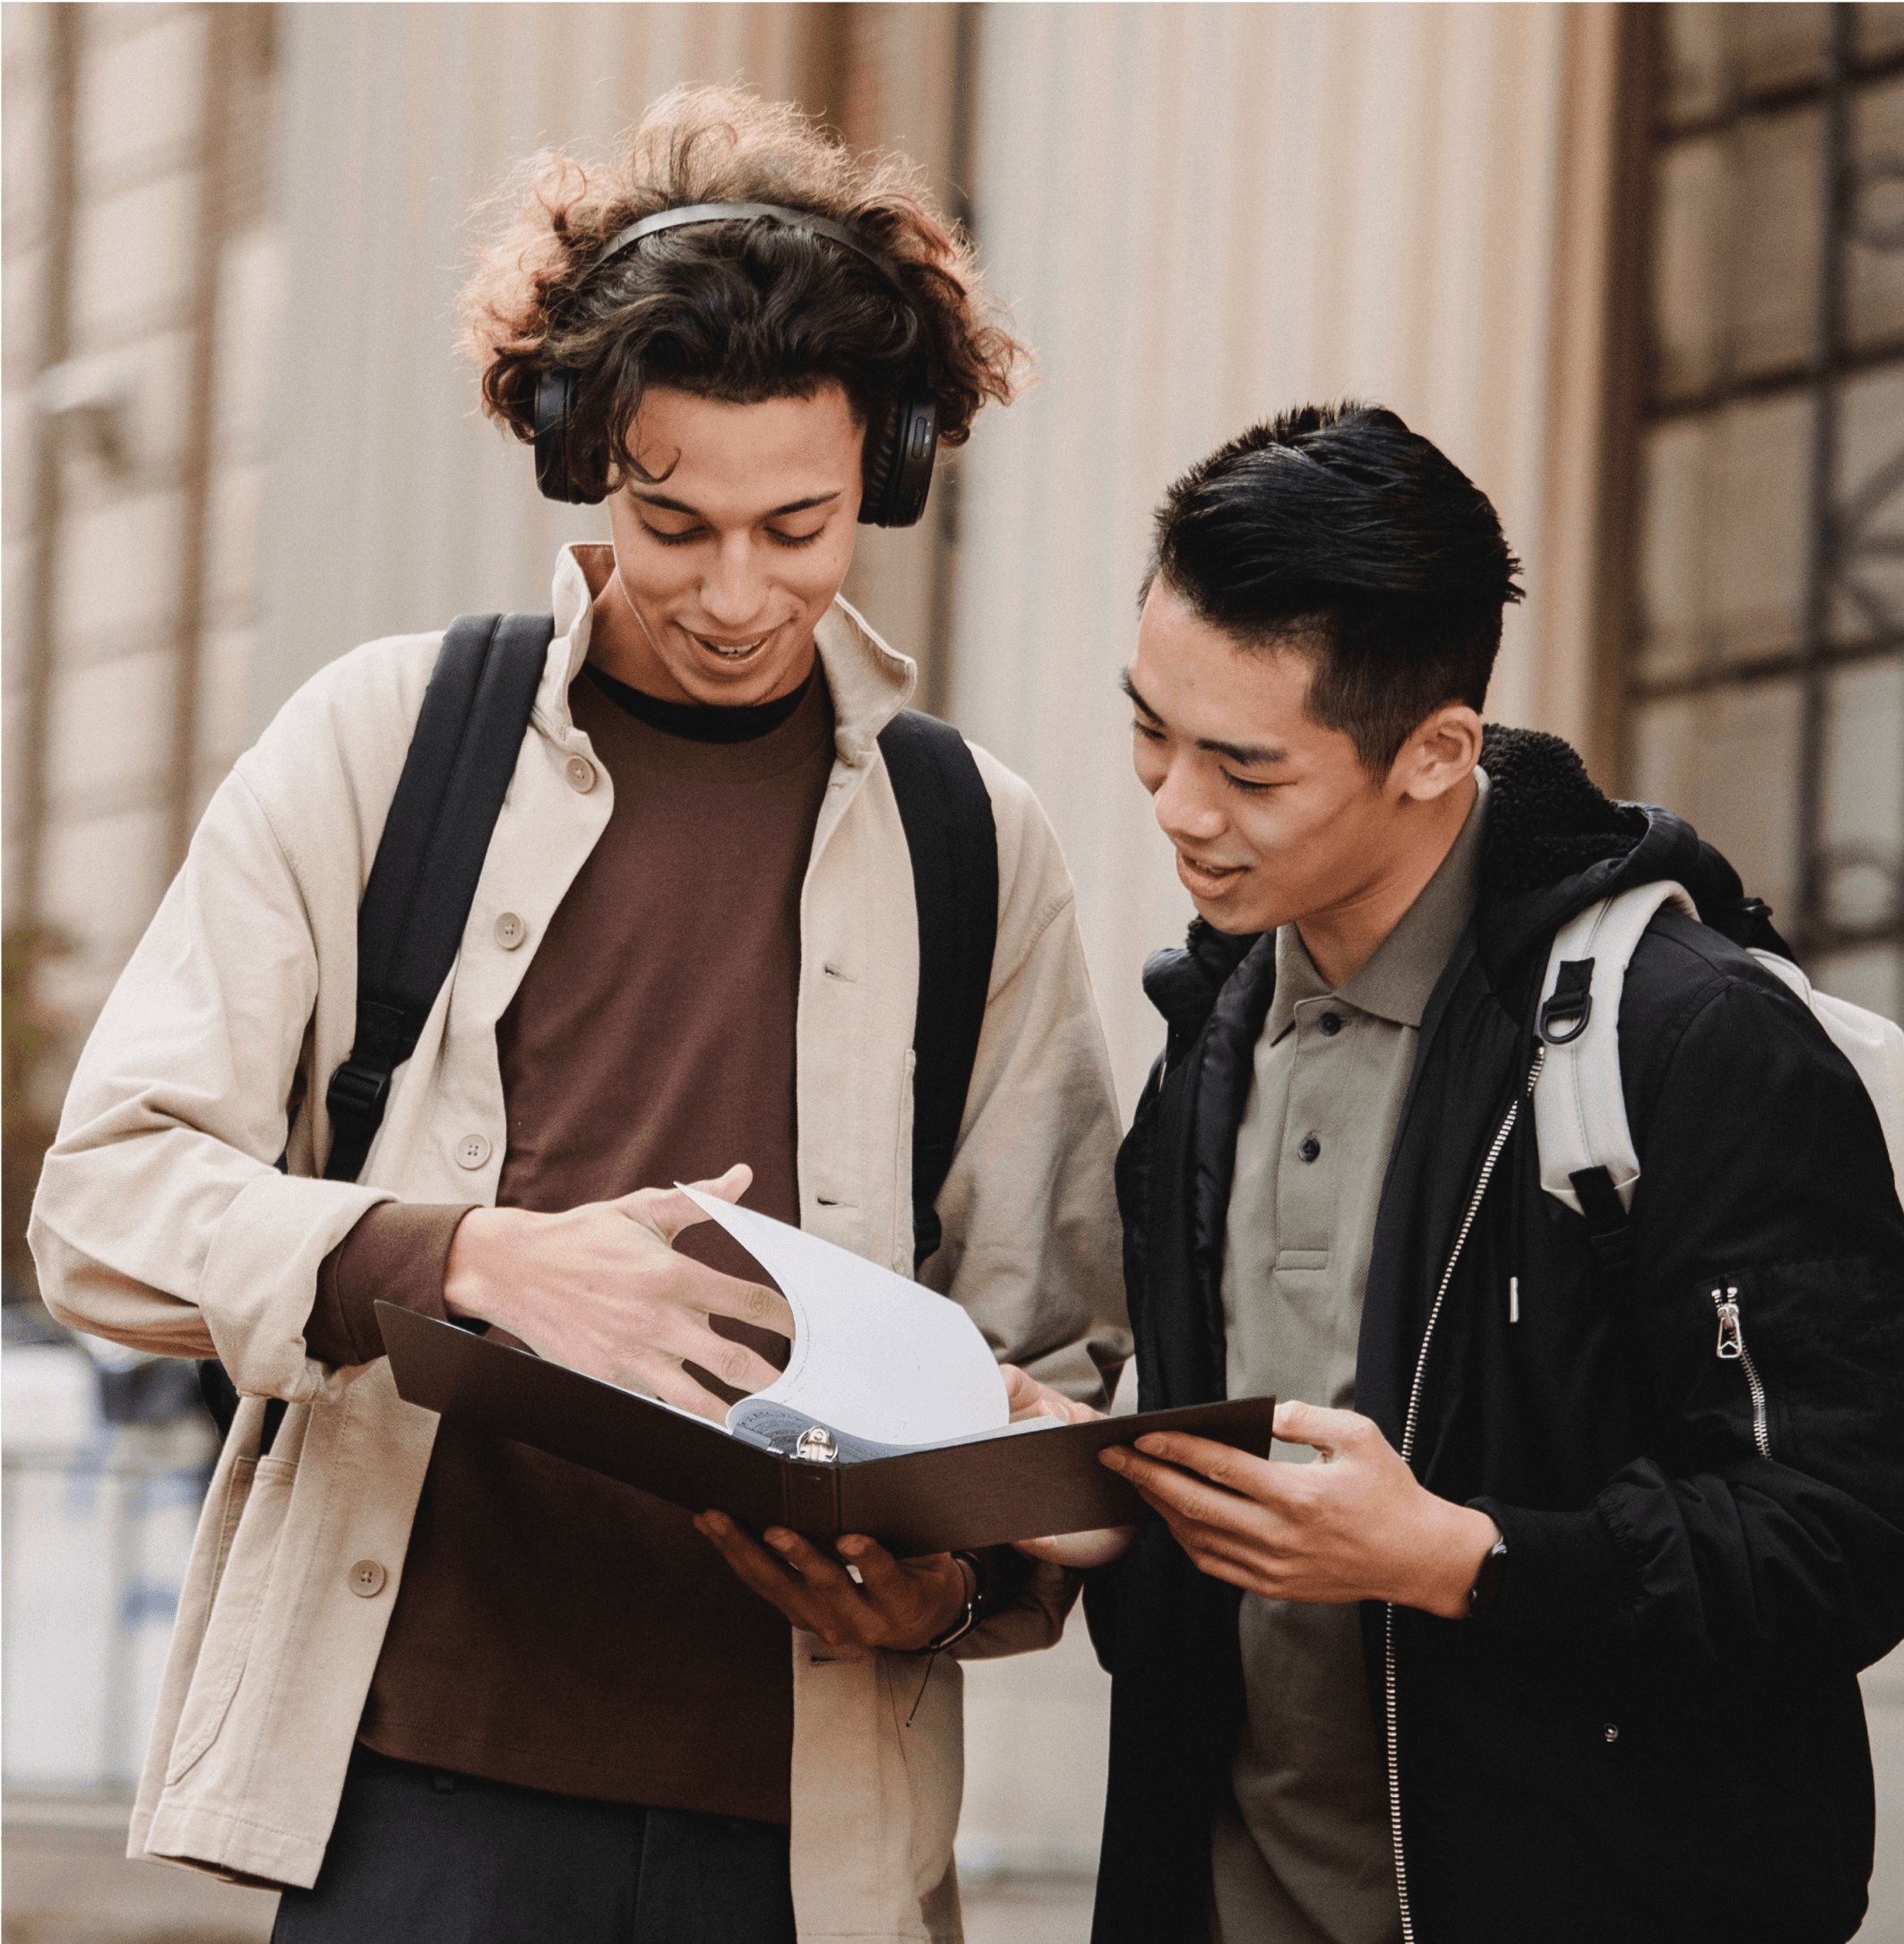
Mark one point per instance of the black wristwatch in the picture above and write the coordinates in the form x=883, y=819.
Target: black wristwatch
x=968, y=1562
x=1487, y=1588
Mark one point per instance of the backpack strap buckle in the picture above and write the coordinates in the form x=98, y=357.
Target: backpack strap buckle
x=357, y=1093
x=1610, y=1228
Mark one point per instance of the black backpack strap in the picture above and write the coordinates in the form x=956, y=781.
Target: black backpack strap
x=1609, y=1230
x=461, y=756
x=947, y=814
x=462, y=753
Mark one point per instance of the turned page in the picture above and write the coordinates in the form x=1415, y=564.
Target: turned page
x=874, y=1356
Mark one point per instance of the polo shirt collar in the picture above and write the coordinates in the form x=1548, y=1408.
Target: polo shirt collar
x=1396, y=983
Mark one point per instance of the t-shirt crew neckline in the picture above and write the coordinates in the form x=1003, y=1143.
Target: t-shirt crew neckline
x=629, y=735
x=703, y=722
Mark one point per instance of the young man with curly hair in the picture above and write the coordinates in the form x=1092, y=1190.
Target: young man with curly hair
x=438, y=1685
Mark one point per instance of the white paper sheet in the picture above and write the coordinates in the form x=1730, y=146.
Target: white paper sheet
x=873, y=1354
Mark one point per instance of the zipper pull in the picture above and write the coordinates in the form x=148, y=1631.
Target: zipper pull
x=1731, y=1343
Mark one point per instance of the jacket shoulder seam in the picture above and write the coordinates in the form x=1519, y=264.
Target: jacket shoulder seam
x=285, y=854
x=1043, y=919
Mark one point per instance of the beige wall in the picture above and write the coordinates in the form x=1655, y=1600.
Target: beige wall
x=136, y=246
x=1207, y=213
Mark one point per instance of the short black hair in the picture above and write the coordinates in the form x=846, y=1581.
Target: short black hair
x=1336, y=530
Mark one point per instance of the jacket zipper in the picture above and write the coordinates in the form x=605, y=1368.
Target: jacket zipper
x=1408, y=1452
x=1732, y=1350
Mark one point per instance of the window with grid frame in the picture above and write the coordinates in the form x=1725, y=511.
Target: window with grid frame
x=1762, y=667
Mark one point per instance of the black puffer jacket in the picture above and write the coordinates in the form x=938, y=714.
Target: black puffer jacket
x=1657, y=1733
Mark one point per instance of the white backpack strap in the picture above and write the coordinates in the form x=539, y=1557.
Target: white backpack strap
x=1580, y=1106
x=1873, y=1045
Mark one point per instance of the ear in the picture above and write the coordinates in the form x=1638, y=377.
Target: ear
x=1441, y=753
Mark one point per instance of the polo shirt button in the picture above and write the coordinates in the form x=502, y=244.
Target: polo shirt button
x=580, y=773
x=1612, y=1730
x=366, y=1580
x=1330, y=1024
x=510, y=931
x=472, y=1150
x=1311, y=1147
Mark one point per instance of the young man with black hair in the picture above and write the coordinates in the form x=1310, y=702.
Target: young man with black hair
x=1551, y=1639
x=438, y=1685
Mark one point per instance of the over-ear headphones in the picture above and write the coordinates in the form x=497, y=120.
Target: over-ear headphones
x=898, y=453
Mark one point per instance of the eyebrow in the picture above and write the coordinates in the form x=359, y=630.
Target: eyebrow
x=778, y=512
x=1250, y=755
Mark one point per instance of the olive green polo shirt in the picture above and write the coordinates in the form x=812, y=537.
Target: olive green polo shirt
x=1305, y=1857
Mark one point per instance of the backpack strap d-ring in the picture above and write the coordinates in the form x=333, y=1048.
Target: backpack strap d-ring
x=1580, y=1106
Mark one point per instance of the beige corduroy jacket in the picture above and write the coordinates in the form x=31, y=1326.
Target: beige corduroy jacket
x=162, y=1222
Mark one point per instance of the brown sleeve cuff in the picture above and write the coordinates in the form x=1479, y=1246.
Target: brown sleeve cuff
x=397, y=1253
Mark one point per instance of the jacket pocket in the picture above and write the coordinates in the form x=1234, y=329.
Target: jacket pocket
x=252, y=1525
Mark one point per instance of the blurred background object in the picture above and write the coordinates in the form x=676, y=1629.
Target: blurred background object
x=1639, y=270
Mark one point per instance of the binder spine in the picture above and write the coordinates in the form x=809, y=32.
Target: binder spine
x=810, y=1498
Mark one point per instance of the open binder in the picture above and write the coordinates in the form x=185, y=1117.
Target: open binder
x=986, y=1491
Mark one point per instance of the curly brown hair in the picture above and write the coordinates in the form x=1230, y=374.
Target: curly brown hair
x=739, y=311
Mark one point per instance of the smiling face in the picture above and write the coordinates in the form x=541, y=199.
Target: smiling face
x=1274, y=820
x=729, y=551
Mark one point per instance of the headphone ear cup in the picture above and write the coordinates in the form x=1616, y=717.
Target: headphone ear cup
x=554, y=401
x=898, y=462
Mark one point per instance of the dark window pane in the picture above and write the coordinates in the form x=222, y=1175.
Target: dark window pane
x=1874, y=262
x=1867, y=598
x=1723, y=543
x=1735, y=253
x=1862, y=837
x=1714, y=52
x=1877, y=29
x=1726, y=761
x=1775, y=46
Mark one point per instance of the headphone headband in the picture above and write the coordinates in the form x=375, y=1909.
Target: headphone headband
x=898, y=453
x=726, y=212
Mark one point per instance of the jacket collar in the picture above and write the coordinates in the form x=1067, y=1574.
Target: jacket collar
x=869, y=682
x=1555, y=845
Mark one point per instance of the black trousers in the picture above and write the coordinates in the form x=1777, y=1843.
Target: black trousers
x=421, y=1857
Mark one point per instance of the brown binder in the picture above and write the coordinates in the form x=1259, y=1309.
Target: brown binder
x=985, y=1493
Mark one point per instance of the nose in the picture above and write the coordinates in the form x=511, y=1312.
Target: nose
x=1186, y=808
x=733, y=591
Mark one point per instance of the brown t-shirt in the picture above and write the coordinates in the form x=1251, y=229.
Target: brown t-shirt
x=555, y=1629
